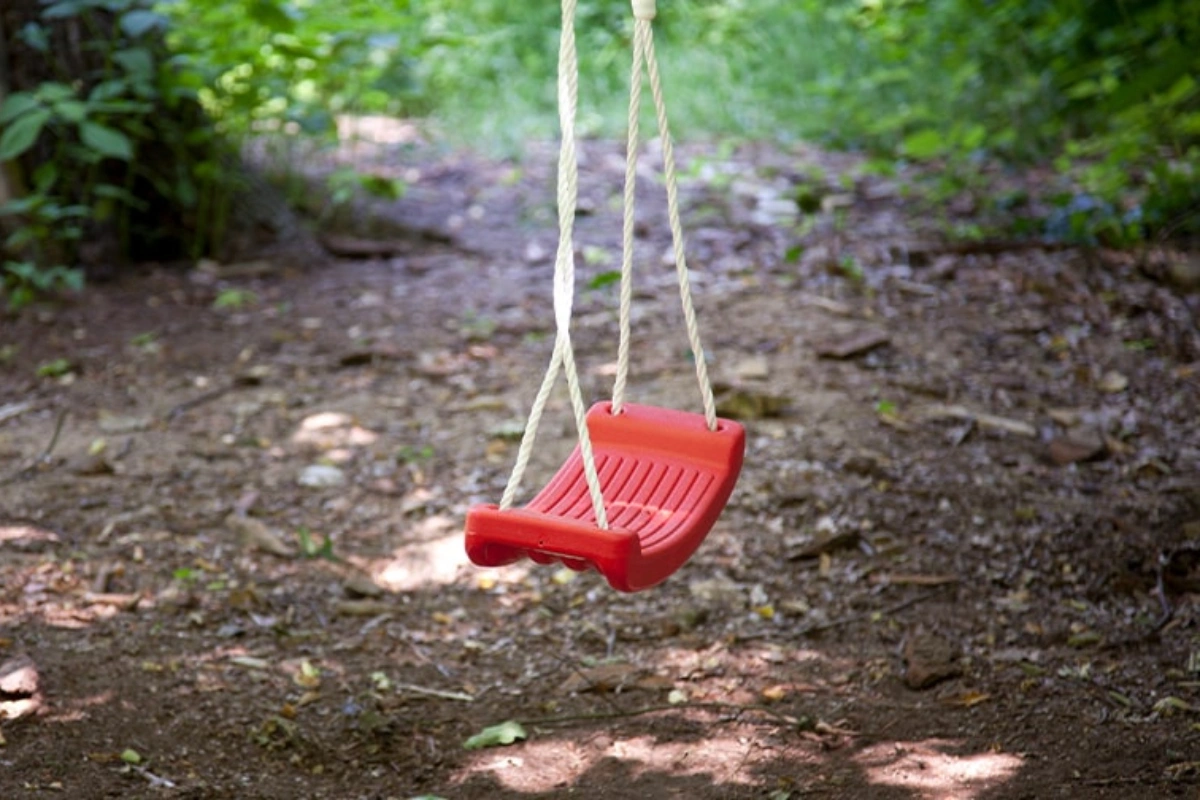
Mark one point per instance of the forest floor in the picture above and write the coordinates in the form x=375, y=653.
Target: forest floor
x=962, y=561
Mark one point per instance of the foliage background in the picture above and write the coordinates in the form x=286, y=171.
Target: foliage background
x=1105, y=92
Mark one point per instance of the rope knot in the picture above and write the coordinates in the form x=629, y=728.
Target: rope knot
x=643, y=9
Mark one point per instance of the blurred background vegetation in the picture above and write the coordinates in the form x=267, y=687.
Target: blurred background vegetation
x=1103, y=93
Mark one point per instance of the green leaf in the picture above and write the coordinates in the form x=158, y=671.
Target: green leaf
x=106, y=141
x=106, y=90
x=141, y=21
x=15, y=105
x=138, y=62
x=272, y=14
x=496, y=735
x=52, y=92
x=605, y=279
x=22, y=133
x=383, y=187
x=54, y=369
x=35, y=36
x=72, y=111
x=67, y=8
x=924, y=144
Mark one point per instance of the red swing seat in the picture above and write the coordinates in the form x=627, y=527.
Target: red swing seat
x=665, y=478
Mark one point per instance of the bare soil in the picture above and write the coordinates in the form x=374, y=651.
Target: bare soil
x=962, y=561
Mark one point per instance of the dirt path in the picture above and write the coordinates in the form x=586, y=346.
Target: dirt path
x=962, y=561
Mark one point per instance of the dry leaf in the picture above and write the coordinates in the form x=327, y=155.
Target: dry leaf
x=362, y=608
x=969, y=699
x=915, y=579
x=853, y=344
x=255, y=535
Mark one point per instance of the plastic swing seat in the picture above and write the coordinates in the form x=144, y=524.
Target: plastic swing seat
x=645, y=487
x=665, y=478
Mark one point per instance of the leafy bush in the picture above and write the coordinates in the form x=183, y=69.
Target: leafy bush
x=107, y=150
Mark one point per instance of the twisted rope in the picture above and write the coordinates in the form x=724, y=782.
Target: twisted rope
x=564, y=283
x=643, y=52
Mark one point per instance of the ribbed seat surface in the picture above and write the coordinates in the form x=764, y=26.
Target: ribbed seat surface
x=665, y=479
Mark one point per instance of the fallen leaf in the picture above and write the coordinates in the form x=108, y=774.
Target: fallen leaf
x=602, y=678
x=1082, y=443
x=321, y=476
x=856, y=343
x=124, y=602
x=740, y=403
x=826, y=543
x=773, y=694
x=969, y=699
x=503, y=734
x=250, y=662
x=915, y=579
x=360, y=584
x=362, y=608
x=1084, y=639
x=254, y=534
x=307, y=676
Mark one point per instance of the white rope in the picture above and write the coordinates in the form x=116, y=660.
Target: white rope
x=631, y=156
x=643, y=51
x=564, y=283
x=563, y=356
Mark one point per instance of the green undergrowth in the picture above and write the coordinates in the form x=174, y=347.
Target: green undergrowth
x=954, y=92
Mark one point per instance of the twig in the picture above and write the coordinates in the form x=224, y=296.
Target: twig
x=442, y=693
x=1160, y=591
x=199, y=400
x=850, y=619
x=58, y=426
x=45, y=454
x=155, y=780
x=803, y=723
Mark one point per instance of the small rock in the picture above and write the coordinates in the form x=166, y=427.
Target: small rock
x=19, y=688
x=536, y=253
x=360, y=584
x=928, y=660
x=754, y=368
x=321, y=476
x=718, y=592
x=19, y=677
x=119, y=423
x=867, y=463
x=1184, y=272
x=91, y=464
x=1112, y=382
x=1079, y=444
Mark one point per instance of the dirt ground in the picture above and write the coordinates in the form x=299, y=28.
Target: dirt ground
x=962, y=561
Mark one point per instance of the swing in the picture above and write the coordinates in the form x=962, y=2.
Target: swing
x=644, y=485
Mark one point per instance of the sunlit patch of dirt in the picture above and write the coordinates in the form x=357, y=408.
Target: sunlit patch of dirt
x=932, y=773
